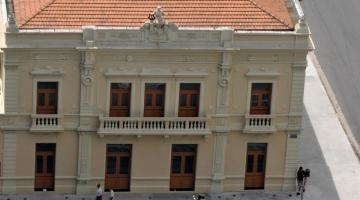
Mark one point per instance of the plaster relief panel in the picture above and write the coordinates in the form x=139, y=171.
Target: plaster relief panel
x=109, y=36
x=55, y=56
x=262, y=58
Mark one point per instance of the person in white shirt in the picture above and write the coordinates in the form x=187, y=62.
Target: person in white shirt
x=99, y=192
x=111, y=194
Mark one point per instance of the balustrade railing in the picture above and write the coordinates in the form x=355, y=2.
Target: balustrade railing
x=259, y=123
x=157, y=125
x=46, y=122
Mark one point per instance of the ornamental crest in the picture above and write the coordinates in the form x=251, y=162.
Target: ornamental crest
x=158, y=28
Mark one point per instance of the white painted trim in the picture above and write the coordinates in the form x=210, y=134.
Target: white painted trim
x=262, y=74
x=167, y=95
x=273, y=92
x=298, y=8
x=201, y=100
x=132, y=94
x=48, y=79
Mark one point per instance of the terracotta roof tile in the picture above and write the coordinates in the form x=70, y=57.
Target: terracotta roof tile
x=238, y=14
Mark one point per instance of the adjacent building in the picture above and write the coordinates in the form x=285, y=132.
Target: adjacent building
x=151, y=96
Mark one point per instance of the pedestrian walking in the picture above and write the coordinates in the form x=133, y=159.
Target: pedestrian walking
x=300, y=180
x=99, y=192
x=112, y=194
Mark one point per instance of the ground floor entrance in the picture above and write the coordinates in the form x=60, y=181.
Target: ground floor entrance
x=255, y=166
x=183, y=165
x=44, y=167
x=118, y=162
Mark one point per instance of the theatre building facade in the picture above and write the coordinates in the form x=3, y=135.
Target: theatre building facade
x=145, y=97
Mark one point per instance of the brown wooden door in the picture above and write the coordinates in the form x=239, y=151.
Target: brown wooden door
x=120, y=99
x=118, y=162
x=154, y=100
x=44, y=168
x=255, y=166
x=260, y=98
x=189, y=100
x=47, y=98
x=183, y=165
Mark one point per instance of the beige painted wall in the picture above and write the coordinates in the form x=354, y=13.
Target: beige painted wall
x=68, y=62
x=70, y=81
x=151, y=158
x=66, y=160
x=235, y=161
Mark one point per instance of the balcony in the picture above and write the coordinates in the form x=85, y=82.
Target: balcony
x=259, y=124
x=153, y=126
x=47, y=123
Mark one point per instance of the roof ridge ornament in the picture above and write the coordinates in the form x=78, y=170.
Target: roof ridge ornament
x=157, y=26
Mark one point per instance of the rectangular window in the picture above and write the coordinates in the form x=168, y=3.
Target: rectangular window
x=124, y=165
x=47, y=98
x=111, y=164
x=176, y=164
x=260, y=98
x=260, y=163
x=148, y=100
x=154, y=100
x=120, y=99
x=250, y=163
x=189, y=100
x=39, y=164
x=50, y=165
x=189, y=164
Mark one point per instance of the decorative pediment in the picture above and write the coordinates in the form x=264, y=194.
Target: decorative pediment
x=157, y=28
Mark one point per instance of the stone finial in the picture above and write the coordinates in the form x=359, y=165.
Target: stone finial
x=158, y=28
x=158, y=16
x=301, y=25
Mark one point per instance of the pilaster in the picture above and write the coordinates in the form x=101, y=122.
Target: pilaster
x=291, y=161
x=224, y=70
x=87, y=108
x=297, y=87
x=84, y=163
x=87, y=73
x=222, y=111
x=9, y=163
x=10, y=93
x=220, y=141
x=295, y=121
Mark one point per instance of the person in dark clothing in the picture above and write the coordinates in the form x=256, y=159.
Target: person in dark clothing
x=300, y=179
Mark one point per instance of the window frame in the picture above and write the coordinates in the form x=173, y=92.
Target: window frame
x=59, y=93
x=110, y=96
x=273, y=94
x=166, y=99
x=201, y=112
x=132, y=94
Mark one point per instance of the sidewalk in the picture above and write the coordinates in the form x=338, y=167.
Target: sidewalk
x=324, y=148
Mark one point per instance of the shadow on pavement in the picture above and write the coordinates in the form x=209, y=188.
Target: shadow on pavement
x=320, y=186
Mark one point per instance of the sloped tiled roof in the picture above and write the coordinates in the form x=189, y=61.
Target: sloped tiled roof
x=72, y=14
